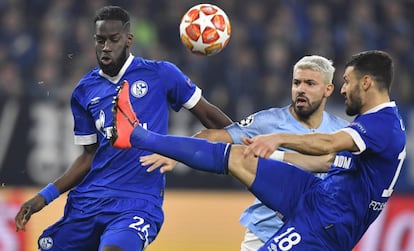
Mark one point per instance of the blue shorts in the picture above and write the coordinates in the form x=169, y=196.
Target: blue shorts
x=305, y=232
x=131, y=229
x=280, y=185
x=298, y=196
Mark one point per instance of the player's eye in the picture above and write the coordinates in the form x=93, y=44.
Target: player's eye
x=115, y=39
x=99, y=40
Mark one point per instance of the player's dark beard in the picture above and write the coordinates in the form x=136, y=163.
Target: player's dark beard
x=354, y=104
x=113, y=68
x=303, y=113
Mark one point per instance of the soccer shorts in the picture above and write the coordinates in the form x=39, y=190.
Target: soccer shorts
x=131, y=229
x=280, y=185
x=298, y=196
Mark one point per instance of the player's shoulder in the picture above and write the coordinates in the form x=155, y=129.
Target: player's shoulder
x=276, y=112
x=152, y=64
x=384, y=112
x=91, y=76
x=335, y=119
x=272, y=115
x=88, y=79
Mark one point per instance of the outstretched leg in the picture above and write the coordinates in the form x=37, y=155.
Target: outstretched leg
x=125, y=119
x=268, y=180
x=196, y=153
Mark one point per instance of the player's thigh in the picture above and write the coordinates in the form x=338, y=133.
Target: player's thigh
x=130, y=231
x=70, y=235
x=251, y=242
x=280, y=185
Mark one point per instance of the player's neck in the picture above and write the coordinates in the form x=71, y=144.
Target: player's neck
x=312, y=121
x=375, y=100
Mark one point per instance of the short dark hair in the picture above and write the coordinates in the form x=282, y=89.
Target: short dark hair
x=376, y=63
x=112, y=13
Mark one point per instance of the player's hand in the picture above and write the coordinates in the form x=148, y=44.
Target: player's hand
x=260, y=146
x=156, y=161
x=28, y=208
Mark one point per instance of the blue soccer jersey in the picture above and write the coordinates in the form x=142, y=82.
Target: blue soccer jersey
x=155, y=87
x=258, y=218
x=334, y=213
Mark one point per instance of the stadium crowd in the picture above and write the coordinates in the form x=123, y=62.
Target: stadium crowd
x=45, y=45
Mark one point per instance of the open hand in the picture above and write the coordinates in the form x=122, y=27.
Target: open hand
x=156, y=161
x=28, y=208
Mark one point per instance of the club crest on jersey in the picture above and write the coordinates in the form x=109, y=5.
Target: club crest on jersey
x=139, y=89
x=246, y=122
x=46, y=243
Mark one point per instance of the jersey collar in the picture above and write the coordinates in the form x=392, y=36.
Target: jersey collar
x=115, y=79
x=381, y=106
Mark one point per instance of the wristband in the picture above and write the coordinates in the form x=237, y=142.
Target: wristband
x=49, y=192
x=277, y=155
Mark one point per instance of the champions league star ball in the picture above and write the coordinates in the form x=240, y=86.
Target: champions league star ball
x=205, y=29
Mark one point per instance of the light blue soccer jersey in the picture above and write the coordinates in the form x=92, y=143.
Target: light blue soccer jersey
x=258, y=218
x=155, y=86
x=334, y=213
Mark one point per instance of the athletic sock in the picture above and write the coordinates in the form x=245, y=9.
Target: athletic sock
x=197, y=153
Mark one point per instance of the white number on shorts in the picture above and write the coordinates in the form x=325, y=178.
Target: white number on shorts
x=285, y=241
x=141, y=229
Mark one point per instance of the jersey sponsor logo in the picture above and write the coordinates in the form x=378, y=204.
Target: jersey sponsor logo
x=376, y=205
x=139, y=89
x=46, y=243
x=246, y=122
x=100, y=122
x=343, y=161
x=107, y=131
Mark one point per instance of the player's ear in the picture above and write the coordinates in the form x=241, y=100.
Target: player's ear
x=130, y=36
x=367, y=82
x=329, y=90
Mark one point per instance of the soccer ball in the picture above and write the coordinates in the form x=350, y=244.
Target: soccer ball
x=205, y=29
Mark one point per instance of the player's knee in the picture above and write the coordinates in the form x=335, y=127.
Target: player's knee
x=242, y=168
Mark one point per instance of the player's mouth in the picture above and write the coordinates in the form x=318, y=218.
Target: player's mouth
x=106, y=60
x=301, y=101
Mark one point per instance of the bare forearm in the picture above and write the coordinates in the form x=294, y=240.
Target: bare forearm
x=77, y=171
x=73, y=175
x=311, y=144
x=315, y=164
